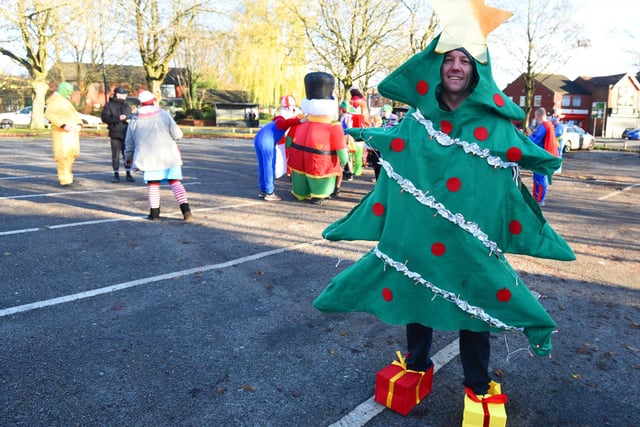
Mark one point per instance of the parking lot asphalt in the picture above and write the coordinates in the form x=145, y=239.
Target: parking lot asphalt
x=108, y=319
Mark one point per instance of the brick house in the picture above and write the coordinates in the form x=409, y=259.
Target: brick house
x=621, y=92
x=92, y=97
x=572, y=100
x=557, y=94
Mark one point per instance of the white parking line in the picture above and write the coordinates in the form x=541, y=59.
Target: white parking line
x=613, y=193
x=147, y=280
x=62, y=193
x=121, y=218
x=364, y=412
x=6, y=178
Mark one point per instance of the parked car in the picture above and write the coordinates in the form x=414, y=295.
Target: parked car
x=576, y=138
x=634, y=134
x=23, y=118
x=16, y=118
x=90, y=121
x=624, y=132
x=170, y=105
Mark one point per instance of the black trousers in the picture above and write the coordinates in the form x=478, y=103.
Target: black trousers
x=475, y=351
x=117, y=150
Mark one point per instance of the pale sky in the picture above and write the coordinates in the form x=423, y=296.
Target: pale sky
x=610, y=25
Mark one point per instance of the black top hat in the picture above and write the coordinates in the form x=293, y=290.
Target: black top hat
x=356, y=92
x=319, y=85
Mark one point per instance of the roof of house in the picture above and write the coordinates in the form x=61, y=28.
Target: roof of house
x=213, y=96
x=601, y=80
x=134, y=74
x=559, y=83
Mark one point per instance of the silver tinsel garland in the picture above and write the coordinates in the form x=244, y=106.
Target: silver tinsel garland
x=474, y=311
x=468, y=147
x=430, y=201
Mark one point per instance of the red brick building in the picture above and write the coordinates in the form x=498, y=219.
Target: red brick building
x=556, y=94
x=572, y=100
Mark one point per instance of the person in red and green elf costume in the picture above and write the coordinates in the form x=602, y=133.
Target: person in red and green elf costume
x=317, y=148
x=449, y=204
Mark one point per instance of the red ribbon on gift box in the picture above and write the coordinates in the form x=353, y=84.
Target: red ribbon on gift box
x=485, y=401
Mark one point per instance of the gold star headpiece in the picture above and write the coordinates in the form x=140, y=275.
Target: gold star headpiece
x=466, y=23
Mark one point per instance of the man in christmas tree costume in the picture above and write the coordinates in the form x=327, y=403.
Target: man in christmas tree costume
x=449, y=204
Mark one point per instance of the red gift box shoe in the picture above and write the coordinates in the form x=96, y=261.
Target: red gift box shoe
x=399, y=388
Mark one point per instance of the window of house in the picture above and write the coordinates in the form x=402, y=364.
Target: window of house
x=522, y=100
x=537, y=100
x=576, y=101
x=168, y=91
x=566, y=100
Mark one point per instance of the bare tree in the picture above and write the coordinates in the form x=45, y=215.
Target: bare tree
x=419, y=34
x=193, y=60
x=34, y=21
x=160, y=26
x=539, y=42
x=87, y=42
x=351, y=38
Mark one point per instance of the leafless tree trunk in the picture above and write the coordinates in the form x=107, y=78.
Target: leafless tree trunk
x=34, y=22
x=539, y=38
x=160, y=26
x=351, y=39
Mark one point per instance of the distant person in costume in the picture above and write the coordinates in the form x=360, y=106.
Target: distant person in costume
x=346, y=119
x=265, y=143
x=150, y=146
x=544, y=136
x=389, y=119
x=65, y=131
x=559, y=132
x=317, y=148
x=360, y=118
x=449, y=205
x=116, y=114
x=360, y=114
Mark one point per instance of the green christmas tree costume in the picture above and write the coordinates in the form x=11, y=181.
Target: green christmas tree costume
x=447, y=206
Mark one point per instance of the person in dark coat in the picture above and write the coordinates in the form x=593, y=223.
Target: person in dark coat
x=116, y=114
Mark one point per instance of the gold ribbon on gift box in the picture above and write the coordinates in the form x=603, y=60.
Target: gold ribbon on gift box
x=401, y=362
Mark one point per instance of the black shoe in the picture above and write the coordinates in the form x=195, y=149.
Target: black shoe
x=186, y=212
x=130, y=178
x=154, y=214
x=317, y=201
x=335, y=193
x=116, y=178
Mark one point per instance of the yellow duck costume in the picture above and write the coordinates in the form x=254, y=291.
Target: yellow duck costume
x=65, y=131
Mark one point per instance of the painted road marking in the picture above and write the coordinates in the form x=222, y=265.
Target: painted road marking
x=144, y=281
x=121, y=218
x=62, y=193
x=5, y=178
x=614, y=193
x=364, y=412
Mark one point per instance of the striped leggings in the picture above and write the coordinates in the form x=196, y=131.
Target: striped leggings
x=153, y=192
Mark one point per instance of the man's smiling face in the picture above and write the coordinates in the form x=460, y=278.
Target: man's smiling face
x=456, y=72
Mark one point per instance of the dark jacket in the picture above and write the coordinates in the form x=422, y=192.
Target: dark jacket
x=111, y=116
